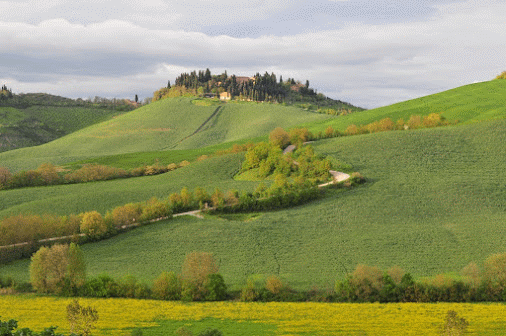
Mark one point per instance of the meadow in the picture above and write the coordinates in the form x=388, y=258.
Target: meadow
x=37, y=124
x=160, y=126
x=433, y=203
x=121, y=316
x=466, y=104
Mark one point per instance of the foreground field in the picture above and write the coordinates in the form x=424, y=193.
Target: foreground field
x=120, y=316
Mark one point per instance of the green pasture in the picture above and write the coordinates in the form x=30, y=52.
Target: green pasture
x=163, y=125
x=467, y=104
x=105, y=195
x=435, y=200
x=21, y=127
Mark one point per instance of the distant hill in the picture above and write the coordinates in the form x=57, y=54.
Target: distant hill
x=258, y=88
x=35, y=118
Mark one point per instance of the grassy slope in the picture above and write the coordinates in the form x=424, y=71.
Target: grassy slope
x=237, y=121
x=434, y=202
x=468, y=104
x=105, y=195
x=161, y=126
x=35, y=125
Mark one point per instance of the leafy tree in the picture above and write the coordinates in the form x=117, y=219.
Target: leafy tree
x=57, y=269
x=81, y=319
x=7, y=329
x=279, y=137
x=167, y=286
x=196, y=268
x=93, y=225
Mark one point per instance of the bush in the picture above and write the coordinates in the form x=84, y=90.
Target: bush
x=502, y=75
x=279, y=137
x=167, y=287
x=126, y=214
x=154, y=209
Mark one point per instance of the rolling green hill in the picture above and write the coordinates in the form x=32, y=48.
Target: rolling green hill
x=435, y=198
x=33, y=119
x=167, y=124
x=467, y=104
x=434, y=202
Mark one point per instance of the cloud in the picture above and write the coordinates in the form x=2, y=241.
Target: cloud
x=366, y=64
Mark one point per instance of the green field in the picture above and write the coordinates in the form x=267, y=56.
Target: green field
x=34, y=125
x=434, y=202
x=467, y=104
x=162, y=125
x=435, y=198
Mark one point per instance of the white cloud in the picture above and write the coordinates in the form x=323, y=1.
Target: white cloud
x=368, y=65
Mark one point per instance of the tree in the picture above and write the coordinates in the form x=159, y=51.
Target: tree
x=93, y=225
x=279, y=137
x=81, y=319
x=136, y=98
x=167, y=286
x=196, y=268
x=57, y=269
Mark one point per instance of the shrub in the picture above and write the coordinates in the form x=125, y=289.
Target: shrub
x=93, y=225
x=154, y=209
x=5, y=176
x=274, y=285
x=215, y=287
x=167, y=286
x=351, y=130
x=298, y=136
x=49, y=174
x=415, y=121
x=279, y=137
x=184, y=163
x=126, y=214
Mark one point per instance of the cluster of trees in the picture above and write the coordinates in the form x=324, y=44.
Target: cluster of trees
x=48, y=174
x=61, y=270
x=24, y=100
x=264, y=87
x=387, y=124
x=267, y=159
x=371, y=284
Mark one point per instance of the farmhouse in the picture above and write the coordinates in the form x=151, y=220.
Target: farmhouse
x=225, y=96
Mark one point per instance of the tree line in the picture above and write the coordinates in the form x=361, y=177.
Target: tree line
x=260, y=88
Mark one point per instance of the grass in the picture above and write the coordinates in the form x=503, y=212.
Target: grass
x=161, y=126
x=105, y=195
x=467, y=104
x=121, y=316
x=434, y=202
x=35, y=125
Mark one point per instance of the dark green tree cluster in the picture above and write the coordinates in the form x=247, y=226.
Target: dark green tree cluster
x=264, y=87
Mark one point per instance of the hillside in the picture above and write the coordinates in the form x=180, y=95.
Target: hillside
x=434, y=202
x=33, y=119
x=467, y=104
x=163, y=125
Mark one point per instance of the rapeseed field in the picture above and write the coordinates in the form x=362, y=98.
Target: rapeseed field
x=120, y=316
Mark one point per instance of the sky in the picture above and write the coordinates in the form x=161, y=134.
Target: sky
x=369, y=53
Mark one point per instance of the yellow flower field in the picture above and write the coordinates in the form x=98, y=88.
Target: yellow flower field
x=118, y=316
